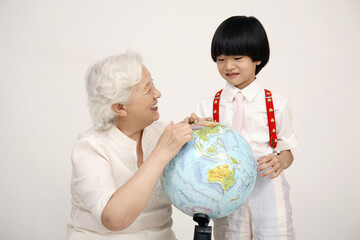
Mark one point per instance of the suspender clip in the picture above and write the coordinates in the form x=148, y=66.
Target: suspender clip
x=274, y=151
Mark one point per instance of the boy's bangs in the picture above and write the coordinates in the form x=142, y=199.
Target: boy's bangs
x=231, y=46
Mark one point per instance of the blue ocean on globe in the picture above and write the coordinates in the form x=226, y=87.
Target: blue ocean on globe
x=212, y=174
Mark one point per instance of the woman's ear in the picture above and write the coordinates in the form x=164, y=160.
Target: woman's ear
x=119, y=109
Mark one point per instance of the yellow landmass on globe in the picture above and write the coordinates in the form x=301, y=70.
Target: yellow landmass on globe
x=222, y=175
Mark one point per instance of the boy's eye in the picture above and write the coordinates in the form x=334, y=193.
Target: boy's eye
x=220, y=59
x=237, y=58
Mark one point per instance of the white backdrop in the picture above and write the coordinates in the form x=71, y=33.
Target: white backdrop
x=46, y=47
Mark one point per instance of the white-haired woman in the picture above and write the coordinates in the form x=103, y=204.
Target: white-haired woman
x=117, y=163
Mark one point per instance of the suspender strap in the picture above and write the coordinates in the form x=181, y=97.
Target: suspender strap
x=271, y=119
x=269, y=110
x=216, y=104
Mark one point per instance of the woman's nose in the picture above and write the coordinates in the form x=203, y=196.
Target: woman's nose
x=157, y=93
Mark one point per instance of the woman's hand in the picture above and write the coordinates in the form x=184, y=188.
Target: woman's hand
x=274, y=163
x=173, y=138
x=194, y=118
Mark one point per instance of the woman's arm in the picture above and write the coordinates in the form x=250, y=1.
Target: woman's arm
x=130, y=199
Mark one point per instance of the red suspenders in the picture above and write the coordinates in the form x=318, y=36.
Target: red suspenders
x=216, y=104
x=269, y=110
x=271, y=119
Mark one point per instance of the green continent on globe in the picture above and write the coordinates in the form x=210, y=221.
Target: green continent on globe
x=211, y=149
x=203, y=133
x=222, y=175
x=233, y=160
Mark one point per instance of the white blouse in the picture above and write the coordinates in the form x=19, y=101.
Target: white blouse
x=103, y=161
x=255, y=129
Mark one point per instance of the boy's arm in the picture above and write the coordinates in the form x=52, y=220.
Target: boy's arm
x=203, y=111
x=286, y=158
x=195, y=118
x=274, y=164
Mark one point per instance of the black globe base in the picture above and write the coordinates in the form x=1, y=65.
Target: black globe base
x=202, y=231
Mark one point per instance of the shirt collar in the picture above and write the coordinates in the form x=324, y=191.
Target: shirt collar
x=249, y=92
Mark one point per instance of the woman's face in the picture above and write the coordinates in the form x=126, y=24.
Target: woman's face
x=142, y=109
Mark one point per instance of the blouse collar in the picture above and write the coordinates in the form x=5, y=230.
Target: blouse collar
x=121, y=138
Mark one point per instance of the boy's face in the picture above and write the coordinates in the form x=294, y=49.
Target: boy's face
x=239, y=71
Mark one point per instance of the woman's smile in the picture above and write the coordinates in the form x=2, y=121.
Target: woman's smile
x=155, y=107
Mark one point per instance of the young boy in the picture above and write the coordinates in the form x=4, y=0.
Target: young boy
x=240, y=49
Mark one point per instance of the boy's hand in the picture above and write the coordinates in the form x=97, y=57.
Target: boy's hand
x=275, y=163
x=194, y=118
x=271, y=162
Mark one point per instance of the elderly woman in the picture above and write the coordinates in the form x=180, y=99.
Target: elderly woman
x=115, y=186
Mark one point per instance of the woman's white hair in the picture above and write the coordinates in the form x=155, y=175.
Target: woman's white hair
x=110, y=81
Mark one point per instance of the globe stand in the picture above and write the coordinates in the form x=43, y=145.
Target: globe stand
x=203, y=231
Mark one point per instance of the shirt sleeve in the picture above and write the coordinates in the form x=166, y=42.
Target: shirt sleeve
x=285, y=131
x=92, y=183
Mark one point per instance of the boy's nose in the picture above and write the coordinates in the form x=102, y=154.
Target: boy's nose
x=229, y=65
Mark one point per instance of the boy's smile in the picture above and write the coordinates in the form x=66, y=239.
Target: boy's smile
x=232, y=75
x=239, y=71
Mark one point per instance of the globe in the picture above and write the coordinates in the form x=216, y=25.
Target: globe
x=213, y=174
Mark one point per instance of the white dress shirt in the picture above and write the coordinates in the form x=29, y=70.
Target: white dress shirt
x=255, y=129
x=268, y=212
x=102, y=162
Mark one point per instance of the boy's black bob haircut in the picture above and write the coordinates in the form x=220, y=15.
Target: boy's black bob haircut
x=241, y=35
